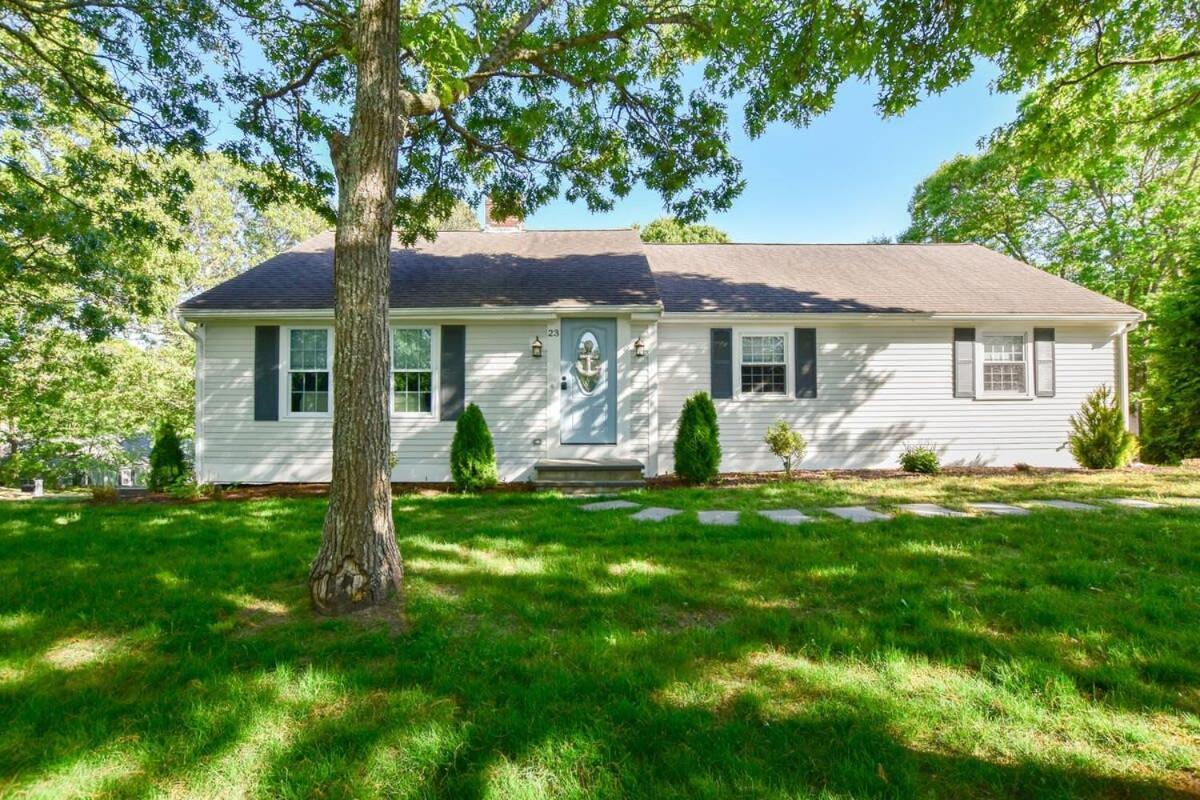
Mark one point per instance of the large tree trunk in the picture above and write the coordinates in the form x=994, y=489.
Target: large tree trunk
x=359, y=564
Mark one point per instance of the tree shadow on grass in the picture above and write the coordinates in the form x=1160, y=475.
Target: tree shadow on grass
x=558, y=653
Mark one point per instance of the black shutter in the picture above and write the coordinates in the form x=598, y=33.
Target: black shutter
x=964, y=362
x=1043, y=361
x=454, y=371
x=266, y=372
x=721, y=362
x=806, y=362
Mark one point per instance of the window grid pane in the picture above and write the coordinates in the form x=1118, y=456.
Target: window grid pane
x=413, y=392
x=1004, y=349
x=762, y=350
x=309, y=349
x=412, y=348
x=1004, y=364
x=310, y=392
x=764, y=379
x=1004, y=378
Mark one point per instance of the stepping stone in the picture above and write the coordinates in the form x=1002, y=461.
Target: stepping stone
x=1132, y=502
x=786, y=516
x=1000, y=509
x=654, y=514
x=931, y=510
x=857, y=514
x=718, y=517
x=609, y=505
x=1065, y=505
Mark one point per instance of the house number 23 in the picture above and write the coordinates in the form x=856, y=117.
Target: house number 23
x=552, y=331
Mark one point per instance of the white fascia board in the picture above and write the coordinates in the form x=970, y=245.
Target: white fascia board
x=899, y=318
x=491, y=313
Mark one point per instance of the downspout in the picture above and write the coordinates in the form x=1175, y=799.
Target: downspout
x=1122, y=372
x=197, y=334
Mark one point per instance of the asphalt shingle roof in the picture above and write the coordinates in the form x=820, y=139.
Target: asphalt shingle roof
x=460, y=270
x=613, y=267
x=863, y=278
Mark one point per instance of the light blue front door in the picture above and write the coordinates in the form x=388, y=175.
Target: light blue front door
x=588, y=389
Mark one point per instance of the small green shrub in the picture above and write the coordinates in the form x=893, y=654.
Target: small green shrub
x=1098, y=438
x=472, y=454
x=185, y=488
x=104, y=494
x=786, y=443
x=919, y=458
x=698, y=440
x=167, y=464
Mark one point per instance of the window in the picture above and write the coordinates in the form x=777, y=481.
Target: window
x=412, y=371
x=308, y=371
x=764, y=364
x=1004, y=365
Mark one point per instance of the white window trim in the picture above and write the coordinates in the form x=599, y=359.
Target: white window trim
x=285, y=371
x=1027, y=348
x=788, y=366
x=435, y=363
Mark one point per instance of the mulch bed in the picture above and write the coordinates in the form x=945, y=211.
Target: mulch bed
x=728, y=479
x=725, y=479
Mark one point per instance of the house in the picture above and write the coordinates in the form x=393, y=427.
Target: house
x=584, y=344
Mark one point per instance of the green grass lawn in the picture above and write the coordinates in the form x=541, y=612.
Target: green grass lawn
x=157, y=649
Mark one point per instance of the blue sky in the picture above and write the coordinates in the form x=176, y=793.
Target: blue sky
x=846, y=178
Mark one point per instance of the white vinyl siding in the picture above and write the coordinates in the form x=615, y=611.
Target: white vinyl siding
x=507, y=383
x=880, y=387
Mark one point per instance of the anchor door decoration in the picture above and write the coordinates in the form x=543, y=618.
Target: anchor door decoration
x=588, y=392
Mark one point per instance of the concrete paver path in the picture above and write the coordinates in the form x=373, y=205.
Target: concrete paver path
x=857, y=514
x=654, y=514
x=931, y=510
x=1065, y=505
x=786, y=516
x=609, y=505
x=1132, y=502
x=1000, y=509
x=718, y=517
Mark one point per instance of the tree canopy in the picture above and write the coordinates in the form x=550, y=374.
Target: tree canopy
x=529, y=99
x=669, y=230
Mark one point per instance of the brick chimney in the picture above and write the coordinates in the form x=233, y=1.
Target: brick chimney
x=493, y=225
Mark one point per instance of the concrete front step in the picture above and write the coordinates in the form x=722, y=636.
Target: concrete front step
x=588, y=487
x=622, y=473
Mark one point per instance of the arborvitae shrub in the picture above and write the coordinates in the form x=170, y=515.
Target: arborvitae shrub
x=698, y=440
x=167, y=464
x=1098, y=438
x=472, y=454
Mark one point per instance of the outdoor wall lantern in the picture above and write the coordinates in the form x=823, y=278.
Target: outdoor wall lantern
x=639, y=348
x=537, y=347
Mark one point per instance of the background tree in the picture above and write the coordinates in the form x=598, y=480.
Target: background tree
x=669, y=230
x=462, y=218
x=420, y=105
x=1171, y=420
x=1098, y=182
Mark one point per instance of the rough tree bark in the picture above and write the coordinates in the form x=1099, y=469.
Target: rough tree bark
x=358, y=565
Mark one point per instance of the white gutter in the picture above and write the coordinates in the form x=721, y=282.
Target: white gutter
x=444, y=314
x=907, y=317
x=197, y=334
